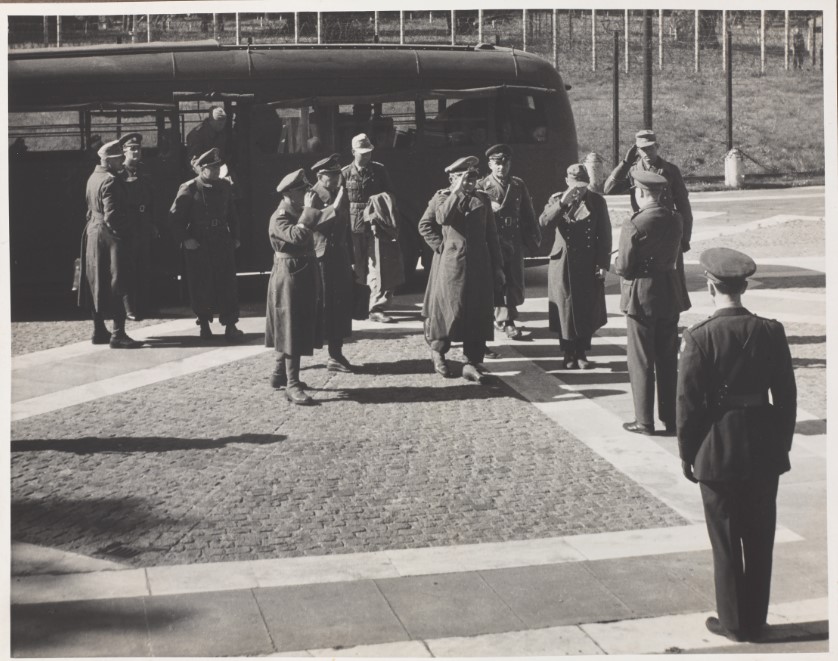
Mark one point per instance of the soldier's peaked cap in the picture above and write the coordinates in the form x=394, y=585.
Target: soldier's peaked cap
x=328, y=164
x=499, y=150
x=131, y=139
x=645, y=138
x=463, y=164
x=211, y=157
x=649, y=180
x=725, y=265
x=110, y=149
x=292, y=180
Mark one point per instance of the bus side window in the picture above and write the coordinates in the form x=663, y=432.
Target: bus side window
x=460, y=122
x=44, y=131
x=298, y=131
x=522, y=118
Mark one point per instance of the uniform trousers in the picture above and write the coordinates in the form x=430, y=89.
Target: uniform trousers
x=741, y=517
x=652, y=353
x=473, y=350
x=367, y=271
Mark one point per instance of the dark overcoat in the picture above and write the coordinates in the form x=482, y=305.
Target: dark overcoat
x=466, y=266
x=205, y=211
x=294, y=314
x=331, y=246
x=517, y=228
x=582, y=244
x=140, y=209
x=650, y=243
x=739, y=435
x=105, y=262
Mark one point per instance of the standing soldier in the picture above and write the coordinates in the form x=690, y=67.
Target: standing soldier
x=205, y=224
x=798, y=49
x=459, y=226
x=643, y=157
x=294, y=316
x=208, y=134
x=104, y=283
x=517, y=227
x=331, y=247
x=733, y=442
x=580, y=257
x=650, y=297
x=141, y=221
x=364, y=178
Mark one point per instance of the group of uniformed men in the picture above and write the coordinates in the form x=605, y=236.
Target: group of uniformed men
x=341, y=233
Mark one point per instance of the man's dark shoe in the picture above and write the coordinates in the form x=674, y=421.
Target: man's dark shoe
x=381, y=317
x=440, y=364
x=296, y=395
x=714, y=626
x=471, y=373
x=491, y=355
x=569, y=362
x=233, y=334
x=133, y=316
x=583, y=362
x=669, y=429
x=639, y=428
x=512, y=332
x=279, y=380
x=101, y=337
x=122, y=341
x=339, y=364
x=206, y=331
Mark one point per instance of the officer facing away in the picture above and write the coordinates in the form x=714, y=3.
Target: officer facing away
x=733, y=442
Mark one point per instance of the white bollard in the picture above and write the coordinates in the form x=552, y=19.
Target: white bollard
x=734, y=169
x=596, y=171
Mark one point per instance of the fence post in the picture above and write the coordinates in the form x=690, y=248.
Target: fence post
x=401, y=27
x=148, y=25
x=570, y=28
x=524, y=16
x=615, y=102
x=453, y=27
x=786, y=41
x=480, y=26
x=729, y=85
x=647, y=69
x=58, y=31
x=556, y=39
x=239, y=29
x=814, y=47
x=593, y=39
x=762, y=41
x=626, y=21
x=375, y=25
x=724, y=41
x=46, y=31
x=660, y=39
x=215, y=26
x=296, y=27
x=696, y=30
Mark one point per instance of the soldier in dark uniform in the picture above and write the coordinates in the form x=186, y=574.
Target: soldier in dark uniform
x=204, y=222
x=105, y=250
x=459, y=226
x=294, y=315
x=650, y=297
x=643, y=157
x=140, y=198
x=207, y=135
x=517, y=227
x=331, y=247
x=362, y=179
x=580, y=257
x=733, y=442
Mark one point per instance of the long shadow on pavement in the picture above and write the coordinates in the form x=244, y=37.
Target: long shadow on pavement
x=153, y=444
x=412, y=394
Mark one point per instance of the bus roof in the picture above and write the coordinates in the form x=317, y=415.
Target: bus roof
x=162, y=73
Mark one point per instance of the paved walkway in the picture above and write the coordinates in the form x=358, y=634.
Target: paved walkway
x=642, y=590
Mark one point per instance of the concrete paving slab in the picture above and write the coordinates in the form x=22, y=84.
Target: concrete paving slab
x=75, y=587
x=447, y=605
x=322, y=569
x=410, y=648
x=642, y=542
x=30, y=559
x=209, y=577
x=211, y=624
x=556, y=595
x=552, y=641
x=653, y=635
x=328, y=615
x=109, y=627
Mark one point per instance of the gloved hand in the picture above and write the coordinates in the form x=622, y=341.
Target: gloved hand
x=631, y=155
x=687, y=469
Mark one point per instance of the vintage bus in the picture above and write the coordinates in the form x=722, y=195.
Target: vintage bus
x=288, y=106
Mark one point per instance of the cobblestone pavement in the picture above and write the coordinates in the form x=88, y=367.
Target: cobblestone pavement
x=217, y=466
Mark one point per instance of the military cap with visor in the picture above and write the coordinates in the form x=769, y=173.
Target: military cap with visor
x=577, y=176
x=130, y=139
x=208, y=159
x=464, y=164
x=727, y=266
x=499, y=151
x=292, y=180
x=645, y=138
x=110, y=149
x=330, y=164
x=649, y=180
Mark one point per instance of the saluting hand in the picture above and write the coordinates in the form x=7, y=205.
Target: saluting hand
x=570, y=195
x=631, y=155
x=308, y=201
x=458, y=184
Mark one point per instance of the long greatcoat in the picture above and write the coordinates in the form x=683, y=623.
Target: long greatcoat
x=459, y=297
x=105, y=264
x=517, y=228
x=294, y=314
x=205, y=211
x=576, y=297
x=332, y=249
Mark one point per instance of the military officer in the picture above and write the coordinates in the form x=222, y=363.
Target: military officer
x=459, y=226
x=580, y=257
x=733, y=442
x=331, y=247
x=294, y=316
x=644, y=156
x=208, y=134
x=105, y=250
x=651, y=299
x=362, y=179
x=141, y=221
x=204, y=222
x=517, y=227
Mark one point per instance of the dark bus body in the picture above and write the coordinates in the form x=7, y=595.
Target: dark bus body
x=288, y=106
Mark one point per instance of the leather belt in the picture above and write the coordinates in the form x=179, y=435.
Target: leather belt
x=507, y=222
